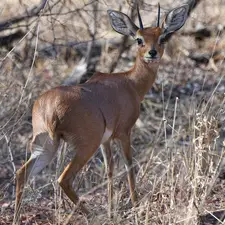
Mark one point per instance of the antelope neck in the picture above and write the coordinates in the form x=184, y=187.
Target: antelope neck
x=143, y=75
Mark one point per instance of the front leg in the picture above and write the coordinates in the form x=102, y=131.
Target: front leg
x=108, y=161
x=127, y=155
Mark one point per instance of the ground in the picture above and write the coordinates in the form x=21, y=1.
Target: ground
x=178, y=140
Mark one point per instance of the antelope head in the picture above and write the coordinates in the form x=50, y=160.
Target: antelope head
x=150, y=40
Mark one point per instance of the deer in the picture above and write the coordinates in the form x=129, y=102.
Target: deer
x=103, y=109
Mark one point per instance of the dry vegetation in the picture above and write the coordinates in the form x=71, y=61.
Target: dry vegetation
x=178, y=141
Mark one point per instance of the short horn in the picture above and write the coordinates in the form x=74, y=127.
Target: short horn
x=139, y=18
x=158, y=18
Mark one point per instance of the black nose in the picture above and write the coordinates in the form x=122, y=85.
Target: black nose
x=152, y=53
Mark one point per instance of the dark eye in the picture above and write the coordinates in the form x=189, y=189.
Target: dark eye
x=139, y=41
x=161, y=44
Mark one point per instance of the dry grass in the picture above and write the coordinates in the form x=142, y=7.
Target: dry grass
x=178, y=141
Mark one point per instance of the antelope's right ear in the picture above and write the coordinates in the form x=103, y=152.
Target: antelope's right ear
x=121, y=23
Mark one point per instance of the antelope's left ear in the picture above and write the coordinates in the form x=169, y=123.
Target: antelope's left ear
x=174, y=20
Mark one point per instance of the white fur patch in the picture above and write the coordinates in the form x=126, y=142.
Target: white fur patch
x=42, y=158
x=107, y=134
x=36, y=151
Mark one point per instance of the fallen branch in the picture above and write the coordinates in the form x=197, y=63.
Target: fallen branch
x=200, y=33
x=28, y=14
x=7, y=40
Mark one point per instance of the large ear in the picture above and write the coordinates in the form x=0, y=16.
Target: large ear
x=174, y=20
x=121, y=23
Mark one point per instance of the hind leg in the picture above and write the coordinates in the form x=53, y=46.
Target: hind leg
x=84, y=152
x=43, y=150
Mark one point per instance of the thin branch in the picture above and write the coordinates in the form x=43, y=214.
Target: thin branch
x=11, y=159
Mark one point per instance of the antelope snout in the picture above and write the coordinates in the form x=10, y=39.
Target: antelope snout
x=152, y=53
x=152, y=56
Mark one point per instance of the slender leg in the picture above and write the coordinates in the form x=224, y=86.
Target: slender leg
x=43, y=151
x=21, y=178
x=67, y=177
x=127, y=155
x=109, y=164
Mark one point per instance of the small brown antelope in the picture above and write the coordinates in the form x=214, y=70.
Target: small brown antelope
x=104, y=108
